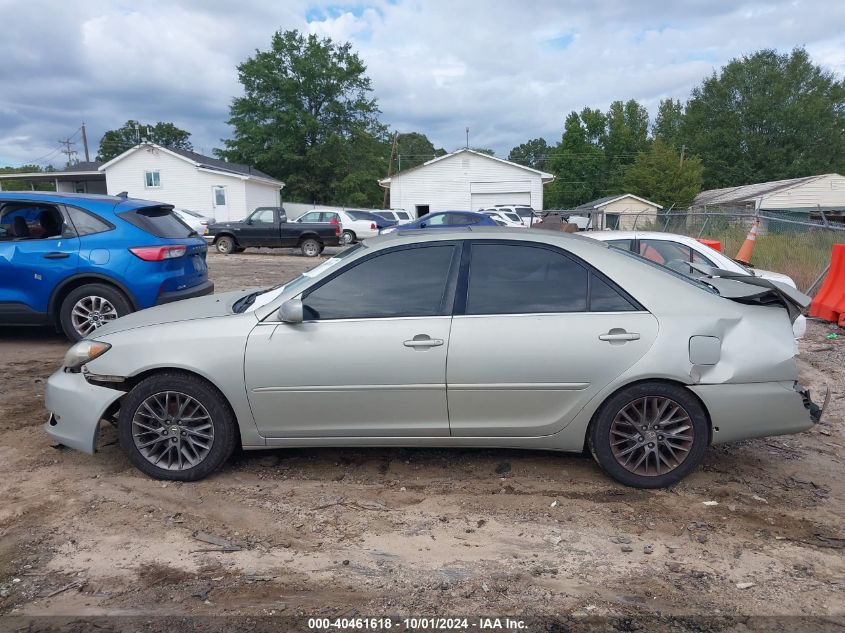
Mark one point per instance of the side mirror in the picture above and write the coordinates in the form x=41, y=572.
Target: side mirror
x=422, y=225
x=249, y=220
x=291, y=311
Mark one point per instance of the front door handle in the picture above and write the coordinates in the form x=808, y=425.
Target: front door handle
x=423, y=341
x=56, y=255
x=619, y=335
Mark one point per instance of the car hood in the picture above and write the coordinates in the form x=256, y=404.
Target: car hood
x=186, y=310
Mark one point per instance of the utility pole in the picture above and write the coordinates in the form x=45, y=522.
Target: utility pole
x=68, y=151
x=467, y=145
x=390, y=167
x=85, y=143
x=683, y=147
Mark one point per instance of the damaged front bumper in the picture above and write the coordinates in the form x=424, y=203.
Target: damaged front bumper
x=76, y=408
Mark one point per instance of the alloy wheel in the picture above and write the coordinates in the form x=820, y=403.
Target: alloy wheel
x=172, y=430
x=651, y=436
x=91, y=312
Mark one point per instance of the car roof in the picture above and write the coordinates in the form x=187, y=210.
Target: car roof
x=79, y=199
x=408, y=236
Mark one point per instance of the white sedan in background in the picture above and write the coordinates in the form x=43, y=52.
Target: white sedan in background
x=197, y=221
x=671, y=249
x=355, y=225
x=507, y=218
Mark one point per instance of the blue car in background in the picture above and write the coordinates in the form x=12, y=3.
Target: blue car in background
x=76, y=261
x=446, y=220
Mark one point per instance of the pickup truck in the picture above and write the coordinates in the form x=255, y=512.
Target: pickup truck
x=268, y=227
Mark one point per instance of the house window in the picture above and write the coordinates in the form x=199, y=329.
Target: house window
x=152, y=179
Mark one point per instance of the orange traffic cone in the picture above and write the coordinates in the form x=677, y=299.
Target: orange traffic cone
x=744, y=254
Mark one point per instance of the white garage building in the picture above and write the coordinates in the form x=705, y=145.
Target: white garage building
x=465, y=180
x=214, y=187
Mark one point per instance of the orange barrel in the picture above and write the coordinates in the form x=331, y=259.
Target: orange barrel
x=829, y=302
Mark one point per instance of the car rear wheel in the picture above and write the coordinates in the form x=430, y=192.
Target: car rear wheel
x=88, y=307
x=311, y=247
x=177, y=427
x=650, y=435
x=225, y=245
x=347, y=237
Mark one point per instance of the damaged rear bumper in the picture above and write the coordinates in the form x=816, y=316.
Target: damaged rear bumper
x=76, y=408
x=745, y=410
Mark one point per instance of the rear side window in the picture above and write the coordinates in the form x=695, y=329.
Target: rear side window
x=625, y=245
x=158, y=221
x=405, y=283
x=514, y=279
x=605, y=298
x=86, y=223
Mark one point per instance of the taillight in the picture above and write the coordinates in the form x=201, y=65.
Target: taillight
x=337, y=230
x=334, y=221
x=373, y=226
x=158, y=253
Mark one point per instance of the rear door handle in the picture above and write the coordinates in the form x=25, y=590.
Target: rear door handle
x=423, y=341
x=620, y=335
x=56, y=255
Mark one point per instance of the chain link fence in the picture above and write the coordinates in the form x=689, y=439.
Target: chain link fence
x=795, y=243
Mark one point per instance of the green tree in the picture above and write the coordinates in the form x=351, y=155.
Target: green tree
x=767, y=116
x=115, y=142
x=578, y=165
x=669, y=122
x=22, y=185
x=533, y=153
x=307, y=117
x=414, y=149
x=659, y=176
x=627, y=135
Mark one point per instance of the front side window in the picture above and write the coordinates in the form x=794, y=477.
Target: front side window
x=26, y=221
x=513, y=279
x=437, y=220
x=152, y=179
x=404, y=283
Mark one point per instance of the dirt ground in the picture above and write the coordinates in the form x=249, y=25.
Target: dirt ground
x=757, y=531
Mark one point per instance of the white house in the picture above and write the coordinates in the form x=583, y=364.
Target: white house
x=623, y=211
x=214, y=187
x=796, y=198
x=465, y=180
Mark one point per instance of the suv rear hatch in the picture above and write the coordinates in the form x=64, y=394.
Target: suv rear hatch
x=177, y=249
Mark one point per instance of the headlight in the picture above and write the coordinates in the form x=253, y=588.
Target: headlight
x=83, y=352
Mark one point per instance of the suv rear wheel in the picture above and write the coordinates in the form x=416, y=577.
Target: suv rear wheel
x=86, y=308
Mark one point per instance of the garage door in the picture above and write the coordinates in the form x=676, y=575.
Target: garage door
x=485, y=200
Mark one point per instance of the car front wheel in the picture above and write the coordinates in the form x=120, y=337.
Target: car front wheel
x=225, y=245
x=176, y=426
x=650, y=435
x=86, y=308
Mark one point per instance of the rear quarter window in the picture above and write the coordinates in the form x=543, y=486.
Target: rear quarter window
x=158, y=221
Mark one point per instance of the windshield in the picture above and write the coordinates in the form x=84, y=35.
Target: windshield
x=255, y=300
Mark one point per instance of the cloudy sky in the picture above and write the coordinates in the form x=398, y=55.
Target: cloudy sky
x=509, y=70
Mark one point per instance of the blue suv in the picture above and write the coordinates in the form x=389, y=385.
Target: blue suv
x=77, y=261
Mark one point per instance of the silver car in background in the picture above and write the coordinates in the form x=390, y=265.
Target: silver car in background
x=480, y=337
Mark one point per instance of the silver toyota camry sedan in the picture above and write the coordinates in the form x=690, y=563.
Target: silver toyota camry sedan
x=476, y=337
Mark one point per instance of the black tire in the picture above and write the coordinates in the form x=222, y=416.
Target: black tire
x=310, y=247
x=92, y=295
x=651, y=395
x=225, y=244
x=347, y=238
x=223, y=422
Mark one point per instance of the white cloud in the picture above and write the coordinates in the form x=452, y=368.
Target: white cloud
x=510, y=70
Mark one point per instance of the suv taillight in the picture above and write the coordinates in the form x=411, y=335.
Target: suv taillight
x=337, y=230
x=334, y=221
x=158, y=253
